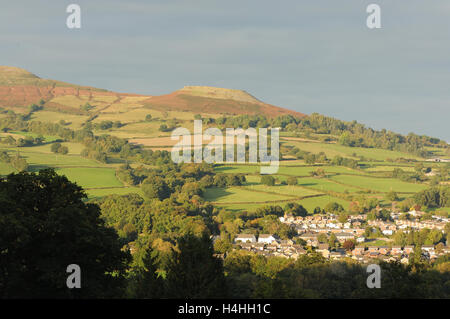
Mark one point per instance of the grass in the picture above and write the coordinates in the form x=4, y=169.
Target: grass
x=239, y=195
x=47, y=116
x=101, y=192
x=89, y=177
x=6, y=169
x=74, y=148
x=322, y=184
x=322, y=201
x=379, y=184
x=308, y=203
x=47, y=138
x=332, y=150
x=383, y=168
x=284, y=190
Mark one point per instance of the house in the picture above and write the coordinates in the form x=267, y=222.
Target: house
x=344, y=236
x=361, y=239
x=324, y=250
x=428, y=248
x=259, y=246
x=358, y=251
x=300, y=250
x=308, y=236
x=388, y=232
x=374, y=254
x=336, y=255
x=373, y=249
x=396, y=250
x=245, y=238
x=266, y=238
x=383, y=250
x=408, y=249
x=246, y=246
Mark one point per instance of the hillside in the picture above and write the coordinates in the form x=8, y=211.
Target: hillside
x=20, y=88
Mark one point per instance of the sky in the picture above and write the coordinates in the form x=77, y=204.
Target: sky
x=309, y=56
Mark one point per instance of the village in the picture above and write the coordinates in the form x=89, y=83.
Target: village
x=313, y=233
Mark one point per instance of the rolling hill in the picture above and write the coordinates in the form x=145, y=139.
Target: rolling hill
x=20, y=88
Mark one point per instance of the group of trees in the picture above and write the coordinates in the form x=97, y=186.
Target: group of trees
x=16, y=161
x=58, y=148
x=434, y=197
x=173, y=254
x=106, y=125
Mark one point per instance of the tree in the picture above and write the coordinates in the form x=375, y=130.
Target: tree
x=292, y=180
x=45, y=225
x=155, y=187
x=334, y=208
x=268, y=180
x=144, y=281
x=333, y=241
x=55, y=147
x=349, y=245
x=194, y=271
x=19, y=163
x=419, y=167
x=322, y=238
x=148, y=117
x=295, y=209
x=63, y=150
x=342, y=218
x=392, y=196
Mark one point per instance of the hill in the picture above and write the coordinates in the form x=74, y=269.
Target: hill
x=20, y=88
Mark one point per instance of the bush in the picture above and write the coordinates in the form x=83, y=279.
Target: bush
x=268, y=180
x=292, y=180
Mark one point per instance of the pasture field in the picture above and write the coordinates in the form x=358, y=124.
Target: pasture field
x=379, y=184
x=20, y=134
x=39, y=160
x=332, y=149
x=91, y=177
x=72, y=101
x=101, y=192
x=308, y=203
x=6, y=169
x=133, y=116
x=323, y=184
x=383, y=168
x=137, y=130
x=284, y=190
x=74, y=148
x=75, y=121
x=321, y=201
x=239, y=195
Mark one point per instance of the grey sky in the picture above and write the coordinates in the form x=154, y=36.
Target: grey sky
x=309, y=56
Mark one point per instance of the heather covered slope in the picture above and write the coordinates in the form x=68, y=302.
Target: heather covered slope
x=212, y=100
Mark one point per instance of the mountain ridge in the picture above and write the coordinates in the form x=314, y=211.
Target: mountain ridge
x=20, y=88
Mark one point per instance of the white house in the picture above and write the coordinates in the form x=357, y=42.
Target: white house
x=266, y=239
x=387, y=232
x=245, y=238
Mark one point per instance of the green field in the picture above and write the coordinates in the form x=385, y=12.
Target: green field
x=89, y=177
x=379, y=184
x=101, y=192
x=323, y=184
x=331, y=150
x=284, y=190
x=239, y=195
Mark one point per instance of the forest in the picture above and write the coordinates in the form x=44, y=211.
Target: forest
x=162, y=248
